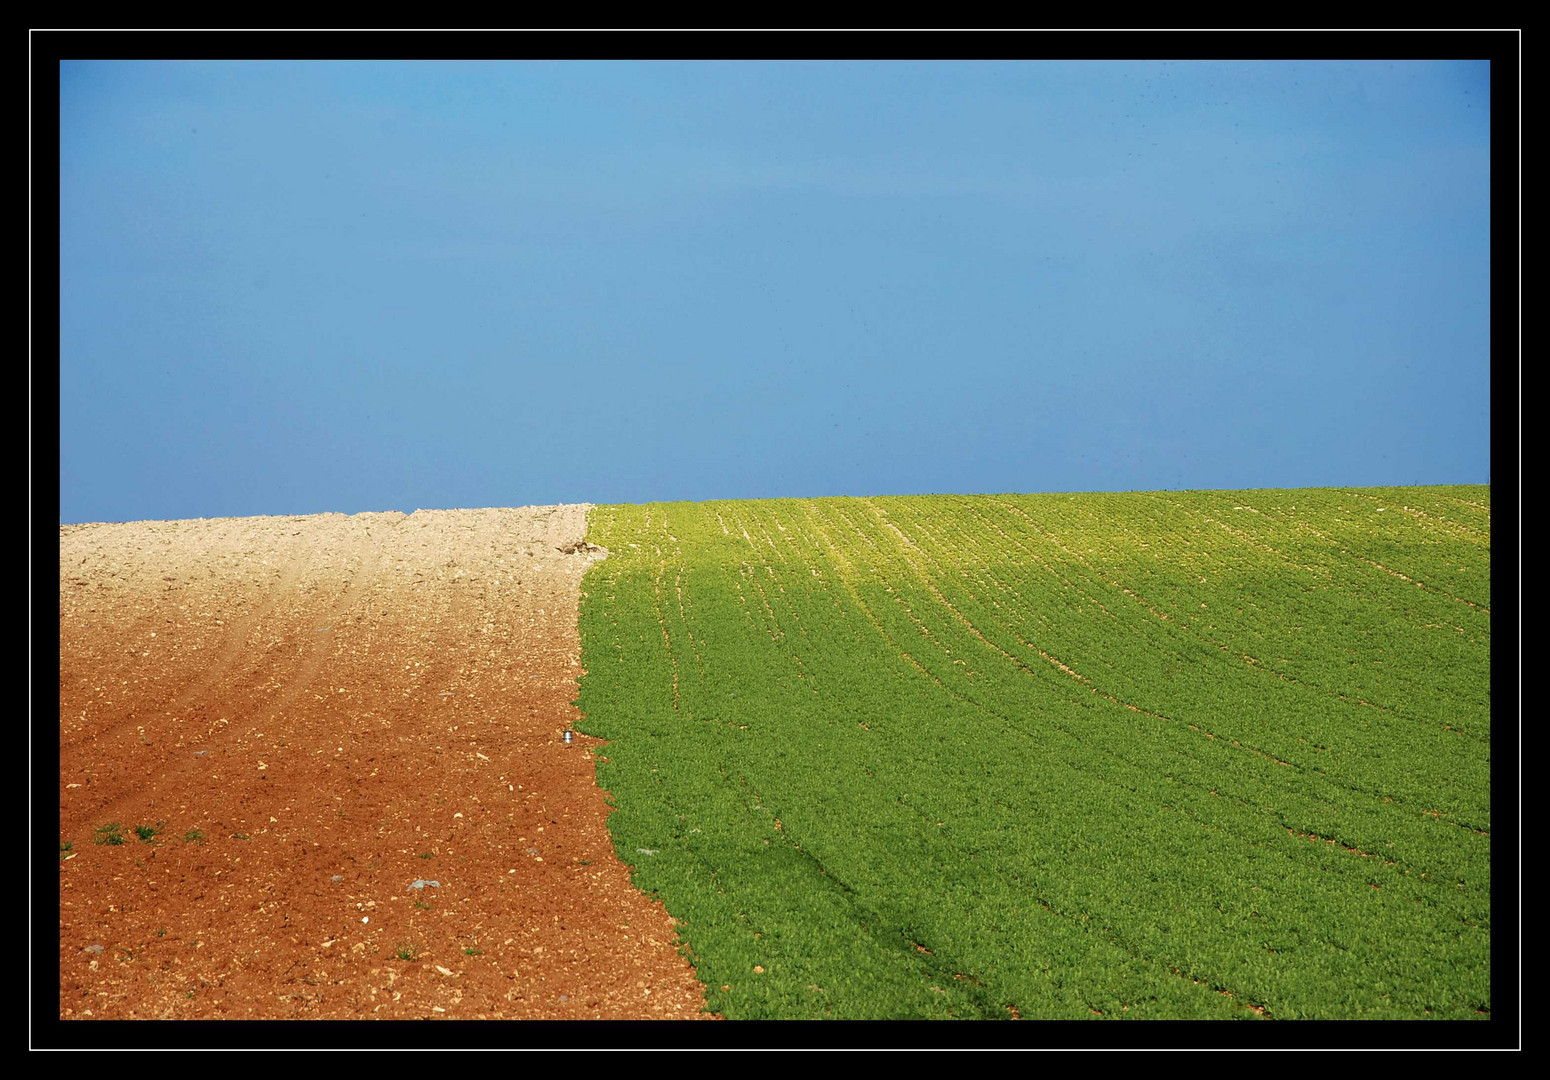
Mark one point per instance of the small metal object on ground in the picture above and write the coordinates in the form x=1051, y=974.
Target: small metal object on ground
x=567, y=738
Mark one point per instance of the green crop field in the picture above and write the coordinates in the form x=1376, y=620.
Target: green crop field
x=1150, y=755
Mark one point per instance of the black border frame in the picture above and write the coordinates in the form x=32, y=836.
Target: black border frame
x=48, y=47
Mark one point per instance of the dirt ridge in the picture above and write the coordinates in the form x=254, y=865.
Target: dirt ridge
x=314, y=713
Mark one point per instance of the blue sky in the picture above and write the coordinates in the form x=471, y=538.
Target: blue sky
x=292, y=288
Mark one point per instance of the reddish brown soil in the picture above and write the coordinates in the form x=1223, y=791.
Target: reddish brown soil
x=314, y=713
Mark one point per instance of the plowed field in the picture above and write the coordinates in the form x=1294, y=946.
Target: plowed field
x=271, y=729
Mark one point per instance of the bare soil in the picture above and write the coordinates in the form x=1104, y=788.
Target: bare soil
x=313, y=714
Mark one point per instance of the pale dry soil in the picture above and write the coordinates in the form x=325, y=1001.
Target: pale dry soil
x=312, y=714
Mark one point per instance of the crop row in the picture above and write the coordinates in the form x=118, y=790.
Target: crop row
x=1205, y=754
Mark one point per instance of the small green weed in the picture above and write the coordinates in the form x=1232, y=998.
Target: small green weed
x=473, y=952
x=423, y=905
x=425, y=854
x=194, y=836
x=111, y=834
x=408, y=953
x=64, y=846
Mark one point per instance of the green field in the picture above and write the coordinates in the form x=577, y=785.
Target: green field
x=1149, y=755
